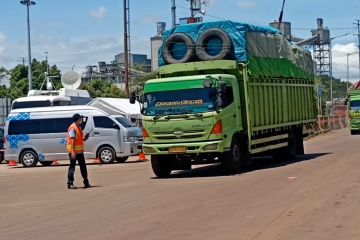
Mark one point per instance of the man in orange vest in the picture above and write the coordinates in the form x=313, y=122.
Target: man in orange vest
x=75, y=148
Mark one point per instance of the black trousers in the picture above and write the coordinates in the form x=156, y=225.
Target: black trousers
x=81, y=161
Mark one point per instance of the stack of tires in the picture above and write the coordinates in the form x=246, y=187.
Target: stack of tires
x=212, y=44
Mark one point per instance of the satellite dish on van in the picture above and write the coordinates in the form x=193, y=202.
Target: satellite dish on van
x=71, y=80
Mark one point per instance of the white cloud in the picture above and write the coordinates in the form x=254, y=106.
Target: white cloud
x=339, y=61
x=211, y=2
x=2, y=42
x=101, y=12
x=246, y=4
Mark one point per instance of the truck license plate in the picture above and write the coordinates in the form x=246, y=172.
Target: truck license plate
x=177, y=149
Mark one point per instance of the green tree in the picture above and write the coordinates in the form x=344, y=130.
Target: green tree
x=19, y=78
x=101, y=88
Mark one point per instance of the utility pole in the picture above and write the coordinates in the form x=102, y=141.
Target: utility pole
x=28, y=3
x=173, y=13
x=22, y=60
x=47, y=62
x=192, y=8
x=358, y=35
x=126, y=45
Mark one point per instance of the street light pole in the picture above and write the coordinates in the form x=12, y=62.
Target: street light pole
x=28, y=3
x=330, y=60
x=347, y=69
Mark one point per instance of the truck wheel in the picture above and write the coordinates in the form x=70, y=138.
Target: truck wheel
x=299, y=142
x=29, y=158
x=232, y=160
x=294, y=147
x=106, y=155
x=161, y=165
x=352, y=132
x=122, y=159
x=46, y=163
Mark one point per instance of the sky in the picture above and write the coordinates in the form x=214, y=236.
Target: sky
x=83, y=32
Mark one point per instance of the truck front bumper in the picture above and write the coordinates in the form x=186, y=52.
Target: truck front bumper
x=355, y=124
x=186, y=148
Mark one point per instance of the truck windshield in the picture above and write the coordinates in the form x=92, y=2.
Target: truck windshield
x=182, y=101
x=355, y=104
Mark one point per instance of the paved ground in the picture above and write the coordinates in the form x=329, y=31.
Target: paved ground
x=315, y=197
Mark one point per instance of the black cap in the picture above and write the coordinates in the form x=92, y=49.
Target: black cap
x=76, y=117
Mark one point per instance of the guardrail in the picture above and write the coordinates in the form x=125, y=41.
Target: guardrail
x=327, y=123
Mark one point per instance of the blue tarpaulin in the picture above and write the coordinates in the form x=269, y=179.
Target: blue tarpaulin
x=237, y=31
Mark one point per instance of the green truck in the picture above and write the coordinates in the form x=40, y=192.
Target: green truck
x=354, y=108
x=226, y=91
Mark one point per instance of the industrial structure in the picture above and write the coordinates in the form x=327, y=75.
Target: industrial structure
x=114, y=71
x=156, y=43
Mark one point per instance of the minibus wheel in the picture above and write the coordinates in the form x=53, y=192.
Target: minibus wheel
x=122, y=159
x=46, y=163
x=106, y=154
x=29, y=158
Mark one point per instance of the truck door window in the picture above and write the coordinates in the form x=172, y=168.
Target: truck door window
x=227, y=97
x=104, y=122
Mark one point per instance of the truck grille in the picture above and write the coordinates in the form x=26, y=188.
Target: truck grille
x=179, y=134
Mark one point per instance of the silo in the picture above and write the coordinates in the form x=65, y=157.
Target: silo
x=284, y=27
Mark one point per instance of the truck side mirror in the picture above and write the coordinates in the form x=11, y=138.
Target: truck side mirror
x=132, y=97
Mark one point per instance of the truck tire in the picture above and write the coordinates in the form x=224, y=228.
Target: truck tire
x=106, y=154
x=289, y=152
x=122, y=159
x=161, y=165
x=178, y=40
x=206, y=51
x=29, y=158
x=46, y=163
x=238, y=156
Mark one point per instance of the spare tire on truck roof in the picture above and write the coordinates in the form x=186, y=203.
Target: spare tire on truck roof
x=178, y=48
x=214, y=44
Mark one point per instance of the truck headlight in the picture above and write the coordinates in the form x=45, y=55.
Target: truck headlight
x=213, y=146
x=129, y=139
x=148, y=150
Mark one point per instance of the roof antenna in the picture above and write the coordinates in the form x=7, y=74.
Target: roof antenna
x=281, y=14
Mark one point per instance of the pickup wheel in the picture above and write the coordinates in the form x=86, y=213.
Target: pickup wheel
x=233, y=160
x=161, y=165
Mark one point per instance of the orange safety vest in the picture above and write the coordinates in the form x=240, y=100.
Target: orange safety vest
x=78, y=146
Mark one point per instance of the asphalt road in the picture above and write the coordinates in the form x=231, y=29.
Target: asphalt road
x=315, y=197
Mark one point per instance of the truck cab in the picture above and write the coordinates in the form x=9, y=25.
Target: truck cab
x=354, y=114
x=196, y=114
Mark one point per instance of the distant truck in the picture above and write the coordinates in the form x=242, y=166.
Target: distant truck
x=226, y=91
x=354, y=108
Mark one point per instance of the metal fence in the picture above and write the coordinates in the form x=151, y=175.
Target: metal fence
x=5, y=105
